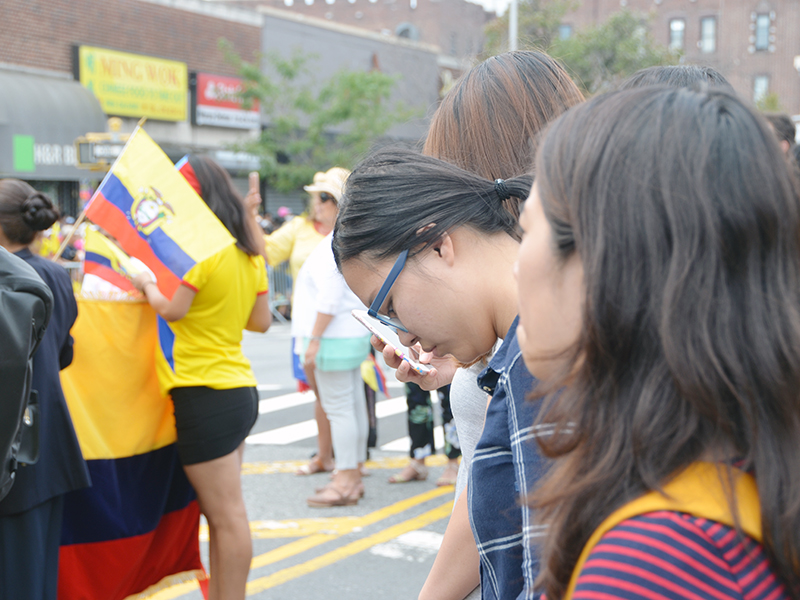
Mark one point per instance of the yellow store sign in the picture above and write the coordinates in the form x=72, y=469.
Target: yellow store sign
x=131, y=85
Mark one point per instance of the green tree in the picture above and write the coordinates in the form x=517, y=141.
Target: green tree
x=602, y=57
x=769, y=103
x=538, y=24
x=599, y=58
x=313, y=125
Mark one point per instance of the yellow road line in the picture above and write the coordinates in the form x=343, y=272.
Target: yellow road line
x=290, y=528
x=290, y=466
x=176, y=591
x=343, y=525
x=264, y=583
x=290, y=549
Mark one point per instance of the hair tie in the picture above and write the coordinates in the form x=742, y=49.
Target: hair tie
x=502, y=189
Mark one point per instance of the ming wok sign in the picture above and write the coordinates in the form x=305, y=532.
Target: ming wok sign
x=131, y=85
x=218, y=103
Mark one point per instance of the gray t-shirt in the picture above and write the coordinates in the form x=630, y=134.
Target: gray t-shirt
x=468, y=403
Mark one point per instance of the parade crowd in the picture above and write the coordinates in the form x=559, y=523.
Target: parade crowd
x=605, y=294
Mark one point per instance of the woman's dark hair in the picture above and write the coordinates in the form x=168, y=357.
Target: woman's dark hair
x=216, y=189
x=489, y=122
x=24, y=211
x=784, y=127
x=677, y=76
x=398, y=199
x=686, y=219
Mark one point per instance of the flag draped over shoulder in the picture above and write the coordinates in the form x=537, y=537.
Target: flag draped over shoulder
x=136, y=528
x=104, y=259
x=156, y=216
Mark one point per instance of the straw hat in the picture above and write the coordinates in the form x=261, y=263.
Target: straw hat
x=330, y=181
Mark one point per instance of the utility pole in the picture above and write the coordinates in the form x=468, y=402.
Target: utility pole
x=512, y=26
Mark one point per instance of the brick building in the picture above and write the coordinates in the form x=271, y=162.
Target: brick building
x=455, y=26
x=44, y=108
x=754, y=43
x=67, y=65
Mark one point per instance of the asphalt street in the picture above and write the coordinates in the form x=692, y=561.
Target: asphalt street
x=381, y=548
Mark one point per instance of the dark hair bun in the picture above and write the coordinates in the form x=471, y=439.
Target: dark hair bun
x=38, y=212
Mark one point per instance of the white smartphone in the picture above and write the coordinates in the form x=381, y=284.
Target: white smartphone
x=388, y=336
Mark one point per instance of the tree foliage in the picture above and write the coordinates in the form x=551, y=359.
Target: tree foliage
x=599, y=58
x=769, y=103
x=538, y=24
x=313, y=125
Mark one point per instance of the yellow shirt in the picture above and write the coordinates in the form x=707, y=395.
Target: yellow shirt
x=294, y=241
x=205, y=346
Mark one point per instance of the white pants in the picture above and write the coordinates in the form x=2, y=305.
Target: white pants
x=343, y=400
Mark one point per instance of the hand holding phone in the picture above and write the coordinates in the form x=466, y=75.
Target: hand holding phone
x=389, y=337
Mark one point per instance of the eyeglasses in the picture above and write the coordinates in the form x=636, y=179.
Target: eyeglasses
x=326, y=197
x=384, y=291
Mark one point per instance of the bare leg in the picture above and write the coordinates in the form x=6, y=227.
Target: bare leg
x=219, y=491
x=324, y=440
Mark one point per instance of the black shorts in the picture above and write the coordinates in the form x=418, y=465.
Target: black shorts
x=212, y=423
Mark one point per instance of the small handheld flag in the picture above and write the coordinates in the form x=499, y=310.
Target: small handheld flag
x=156, y=216
x=105, y=260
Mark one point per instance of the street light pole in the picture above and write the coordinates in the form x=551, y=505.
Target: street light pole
x=512, y=26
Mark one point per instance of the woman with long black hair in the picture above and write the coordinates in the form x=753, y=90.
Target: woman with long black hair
x=212, y=386
x=659, y=291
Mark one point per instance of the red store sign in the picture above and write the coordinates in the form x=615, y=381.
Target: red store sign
x=218, y=104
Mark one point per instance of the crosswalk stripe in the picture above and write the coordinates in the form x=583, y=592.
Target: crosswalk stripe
x=277, y=403
x=289, y=434
x=403, y=444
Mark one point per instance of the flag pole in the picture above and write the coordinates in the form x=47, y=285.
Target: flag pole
x=82, y=217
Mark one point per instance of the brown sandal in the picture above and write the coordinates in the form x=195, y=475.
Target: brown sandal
x=332, y=496
x=360, y=488
x=411, y=472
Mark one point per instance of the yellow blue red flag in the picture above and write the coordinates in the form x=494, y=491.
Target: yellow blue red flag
x=156, y=216
x=105, y=259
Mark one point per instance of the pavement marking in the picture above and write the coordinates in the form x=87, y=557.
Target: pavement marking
x=414, y=546
x=264, y=583
x=269, y=387
x=268, y=405
x=290, y=466
x=331, y=526
x=403, y=444
x=289, y=434
x=335, y=527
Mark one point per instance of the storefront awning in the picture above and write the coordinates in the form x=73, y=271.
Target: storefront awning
x=40, y=117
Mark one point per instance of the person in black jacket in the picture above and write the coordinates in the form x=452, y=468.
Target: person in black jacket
x=31, y=514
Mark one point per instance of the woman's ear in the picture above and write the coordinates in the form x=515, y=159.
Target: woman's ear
x=445, y=249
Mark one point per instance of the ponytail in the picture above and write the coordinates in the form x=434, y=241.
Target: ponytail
x=399, y=200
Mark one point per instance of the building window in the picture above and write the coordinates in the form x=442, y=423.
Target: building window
x=760, y=87
x=564, y=31
x=677, y=27
x=763, y=23
x=708, y=35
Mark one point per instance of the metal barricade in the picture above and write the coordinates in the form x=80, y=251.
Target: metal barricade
x=280, y=290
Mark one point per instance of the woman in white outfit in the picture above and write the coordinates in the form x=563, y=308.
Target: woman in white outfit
x=333, y=346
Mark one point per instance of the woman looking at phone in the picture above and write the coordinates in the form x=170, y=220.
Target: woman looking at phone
x=487, y=124
x=426, y=246
x=659, y=285
x=200, y=364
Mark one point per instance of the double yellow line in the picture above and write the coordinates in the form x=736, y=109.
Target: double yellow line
x=327, y=530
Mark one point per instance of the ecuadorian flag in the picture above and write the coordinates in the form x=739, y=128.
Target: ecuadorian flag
x=136, y=529
x=104, y=259
x=155, y=214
